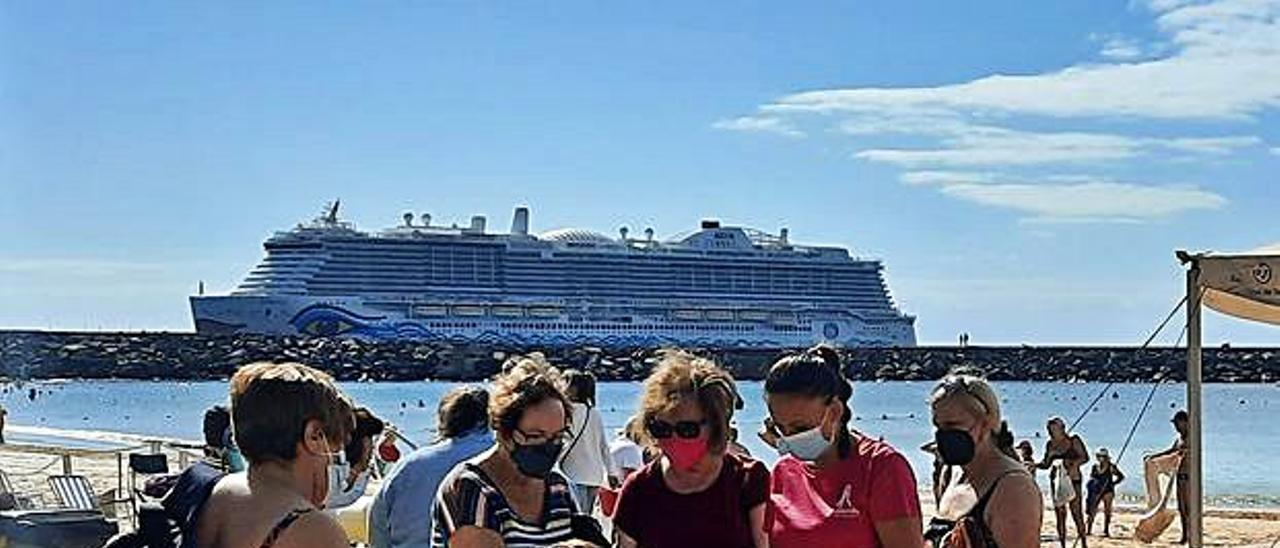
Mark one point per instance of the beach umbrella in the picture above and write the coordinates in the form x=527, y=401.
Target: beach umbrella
x=1243, y=285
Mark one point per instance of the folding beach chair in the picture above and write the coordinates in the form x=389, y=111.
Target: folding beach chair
x=74, y=492
x=11, y=499
x=147, y=466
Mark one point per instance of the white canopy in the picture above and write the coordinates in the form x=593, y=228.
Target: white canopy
x=1245, y=285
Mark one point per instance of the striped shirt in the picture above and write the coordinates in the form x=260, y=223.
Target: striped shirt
x=467, y=496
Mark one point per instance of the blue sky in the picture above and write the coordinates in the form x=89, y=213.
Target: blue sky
x=1025, y=169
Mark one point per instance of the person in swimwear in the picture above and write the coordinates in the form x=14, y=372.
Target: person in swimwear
x=1072, y=453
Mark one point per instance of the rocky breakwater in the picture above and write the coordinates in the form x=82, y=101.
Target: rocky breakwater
x=181, y=356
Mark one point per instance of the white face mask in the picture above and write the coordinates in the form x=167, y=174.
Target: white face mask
x=807, y=445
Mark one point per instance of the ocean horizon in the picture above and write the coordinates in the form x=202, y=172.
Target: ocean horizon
x=1237, y=473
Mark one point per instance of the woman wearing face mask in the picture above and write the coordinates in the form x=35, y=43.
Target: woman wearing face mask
x=510, y=494
x=697, y=494
x=290, y=421
x=832, y=487
x=995, y=502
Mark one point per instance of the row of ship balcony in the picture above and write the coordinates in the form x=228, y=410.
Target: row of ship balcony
x=553, y=311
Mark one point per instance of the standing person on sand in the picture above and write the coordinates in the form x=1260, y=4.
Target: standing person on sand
x=1181, y=421
x=290, y=422
x=585, y=460
x=1103, y=479
x=697, y=493
x=995, y=502
x=832, y=487
x=1071, y=451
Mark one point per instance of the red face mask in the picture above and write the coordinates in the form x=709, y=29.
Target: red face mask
x=684, y=453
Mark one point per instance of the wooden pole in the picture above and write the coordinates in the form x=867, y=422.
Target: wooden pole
x=1195, y=500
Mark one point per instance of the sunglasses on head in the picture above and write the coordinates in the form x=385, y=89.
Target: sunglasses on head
x=684, y=429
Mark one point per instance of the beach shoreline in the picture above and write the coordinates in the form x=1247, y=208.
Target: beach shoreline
x=28, y=466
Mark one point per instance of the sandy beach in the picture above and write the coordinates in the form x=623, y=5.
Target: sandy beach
x=29, y=467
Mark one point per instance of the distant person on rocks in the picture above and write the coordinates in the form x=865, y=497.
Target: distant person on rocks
x=1103, y=479
x=401, y=513
x=291, y=422
x=349, y=480
x=1181, y=423
x=1070, y=453
x=995, y=502
x=585, y=460
x=4, y=413
x=697, y=493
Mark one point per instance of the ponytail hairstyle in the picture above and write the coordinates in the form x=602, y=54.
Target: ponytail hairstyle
x=816, y=373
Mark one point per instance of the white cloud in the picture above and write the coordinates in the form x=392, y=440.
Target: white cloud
x=1088, y=201
x=1215, y=61
x=976, y=145
x=1225, y=63
x=947, y=177
x=759, y=124
x=1120, y=48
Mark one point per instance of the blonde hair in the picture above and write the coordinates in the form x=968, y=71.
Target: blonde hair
x=972, y=391
x=682, y=376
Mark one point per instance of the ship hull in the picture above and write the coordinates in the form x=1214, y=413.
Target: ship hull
x=547, y=325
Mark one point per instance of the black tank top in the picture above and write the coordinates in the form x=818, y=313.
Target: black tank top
x=971, y=530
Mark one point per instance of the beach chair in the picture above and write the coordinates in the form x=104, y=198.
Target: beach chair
x=74, y=492
x=10, y=497
x=147, y=466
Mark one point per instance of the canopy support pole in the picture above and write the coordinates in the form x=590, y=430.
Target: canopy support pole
x=1195, y=500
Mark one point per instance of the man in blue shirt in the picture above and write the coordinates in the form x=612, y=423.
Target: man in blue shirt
x=401, y=511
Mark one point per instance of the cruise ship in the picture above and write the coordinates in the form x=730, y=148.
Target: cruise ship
x=716, y=287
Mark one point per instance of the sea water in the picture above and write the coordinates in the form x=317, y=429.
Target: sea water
x=1242, y=422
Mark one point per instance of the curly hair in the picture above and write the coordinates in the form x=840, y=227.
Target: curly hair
x=525, y=381
x=682, y=376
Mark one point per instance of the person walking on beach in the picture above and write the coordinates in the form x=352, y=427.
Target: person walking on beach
x=697, y=493
x=1181, y=422
x=1026, y=454
x=290, y=421
x=1103, y=479
x=586, y=459
x=995, y=502
x=511, y=494
x=401, y=513
x=832, y=487
x=1071, y=453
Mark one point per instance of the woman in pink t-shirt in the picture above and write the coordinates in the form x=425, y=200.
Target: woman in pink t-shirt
x=833, y=487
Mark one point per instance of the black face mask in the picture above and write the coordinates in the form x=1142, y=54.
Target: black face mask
x=954, y=446
x=537, y=460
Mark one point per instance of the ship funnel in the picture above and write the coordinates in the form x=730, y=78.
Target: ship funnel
x=623, y=233
x=520, y=221
x=710, y=224
x=648, y=234
x=477, y=224
x=408, y=218
x=783, y=235
x=426, y=219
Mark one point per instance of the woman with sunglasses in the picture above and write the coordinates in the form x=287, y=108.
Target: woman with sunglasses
x=696, y=494
x=995, y=502
x=832, y=487
x=510, y=495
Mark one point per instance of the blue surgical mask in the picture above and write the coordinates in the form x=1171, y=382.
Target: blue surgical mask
x=807, y=445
